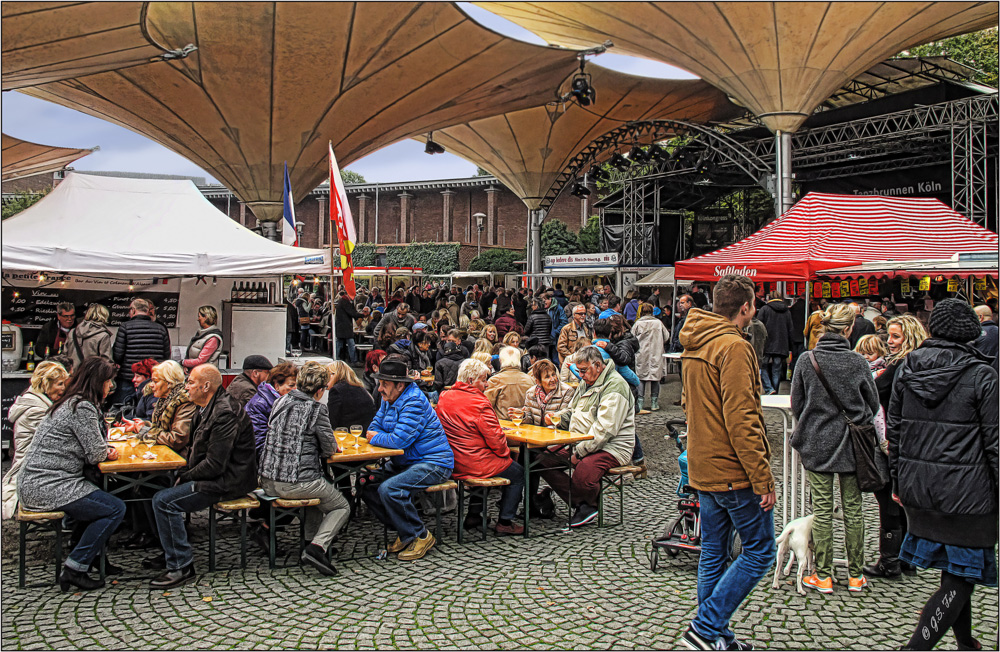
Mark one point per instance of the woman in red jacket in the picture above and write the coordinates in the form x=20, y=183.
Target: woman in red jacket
x=479, y=445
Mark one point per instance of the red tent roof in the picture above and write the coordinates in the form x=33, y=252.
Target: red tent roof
x=824, y=231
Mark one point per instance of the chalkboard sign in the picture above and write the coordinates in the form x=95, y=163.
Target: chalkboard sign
x=7, y=342
x=10, y=389
x=37, y=306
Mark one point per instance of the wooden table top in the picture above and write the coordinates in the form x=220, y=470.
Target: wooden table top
x=539, y=436
x=365, y=452
x=166, y=459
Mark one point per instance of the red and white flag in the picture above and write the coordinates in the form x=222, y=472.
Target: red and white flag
x=340, y=215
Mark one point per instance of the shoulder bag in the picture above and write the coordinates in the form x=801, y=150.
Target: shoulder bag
x=863, y=438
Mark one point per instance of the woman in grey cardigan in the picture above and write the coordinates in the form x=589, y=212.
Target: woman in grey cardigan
x=824, y=443
x=71, y=436
x=299, y=438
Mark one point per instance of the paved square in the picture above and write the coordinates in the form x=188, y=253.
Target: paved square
x=588, y=589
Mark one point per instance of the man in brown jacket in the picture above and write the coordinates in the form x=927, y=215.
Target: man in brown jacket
x=729, y=459
x=571, y=332
x=508, y=387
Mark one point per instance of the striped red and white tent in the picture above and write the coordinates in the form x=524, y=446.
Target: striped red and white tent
x=823, y=231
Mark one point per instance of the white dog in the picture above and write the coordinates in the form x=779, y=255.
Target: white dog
x=797, y=538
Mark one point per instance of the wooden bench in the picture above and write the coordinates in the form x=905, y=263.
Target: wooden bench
x=476, y=487
x=614, y=479
x=437, y=491
x=29, y=522
x=234, y=509
x=278, y=506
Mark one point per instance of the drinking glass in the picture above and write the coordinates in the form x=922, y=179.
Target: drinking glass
x=132, y=442
x=149, y=439
x=516, y=415
x=341, y=434
x=356, y=432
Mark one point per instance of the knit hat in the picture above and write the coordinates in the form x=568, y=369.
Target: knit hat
x=252, y=362
x=954, y=320
x=144, y=367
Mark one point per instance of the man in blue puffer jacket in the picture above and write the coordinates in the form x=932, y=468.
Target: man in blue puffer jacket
x=406, y=421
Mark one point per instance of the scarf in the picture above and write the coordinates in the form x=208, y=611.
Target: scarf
x=293, y=416
x=543, y=398
x=163, y=413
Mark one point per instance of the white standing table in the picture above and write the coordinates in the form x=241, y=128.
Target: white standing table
x=792, y=474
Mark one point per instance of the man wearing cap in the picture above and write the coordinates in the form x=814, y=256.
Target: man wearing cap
x=244, y=386
x=405, y=420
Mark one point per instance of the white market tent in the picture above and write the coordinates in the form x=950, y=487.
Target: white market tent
x=129, y=227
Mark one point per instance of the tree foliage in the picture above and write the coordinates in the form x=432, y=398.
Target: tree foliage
x=351, y=177
x=496, y=260
x=481, y=172
x=557, y=240
x=21, y=201
x=590, y=236
x=977, y=50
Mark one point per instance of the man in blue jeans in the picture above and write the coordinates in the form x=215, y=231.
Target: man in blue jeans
x=729, y=460
x=405, y=420
x=222, y=465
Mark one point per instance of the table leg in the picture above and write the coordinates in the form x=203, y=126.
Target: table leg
x=526, y=456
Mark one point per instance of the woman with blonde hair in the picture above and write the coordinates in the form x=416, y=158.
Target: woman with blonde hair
x=206, y=343
x=348, y=401
x=174, y=411
x=904, y=335
x=91, y=337
x=490, y=335
x=48, y=383
x=475, y=326
x=485, y=358
x=823, y=440
x=512, y=338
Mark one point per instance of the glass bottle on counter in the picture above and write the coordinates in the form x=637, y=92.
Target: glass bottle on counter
x=232, y=293
x=31, y=357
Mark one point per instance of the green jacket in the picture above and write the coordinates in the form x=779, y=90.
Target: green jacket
x=605, y=410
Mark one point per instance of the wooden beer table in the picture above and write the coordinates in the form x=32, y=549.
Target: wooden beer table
x=532, y=437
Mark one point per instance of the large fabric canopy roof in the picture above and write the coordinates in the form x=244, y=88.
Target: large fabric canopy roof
x=23, y=159
x=779, y=59
x=50, y=41
x=825, y=231
x=274, y=82
x=528, y=149
x=129, y=227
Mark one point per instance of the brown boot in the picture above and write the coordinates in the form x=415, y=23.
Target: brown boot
x=396, y=546
x=418, y=548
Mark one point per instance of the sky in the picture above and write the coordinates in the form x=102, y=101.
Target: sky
x=123, y=150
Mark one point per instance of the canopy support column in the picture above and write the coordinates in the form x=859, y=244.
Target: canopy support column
x=783, y=172
x=535, y=244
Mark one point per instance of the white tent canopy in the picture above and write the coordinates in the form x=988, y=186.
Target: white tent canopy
x=123, y=227
x=661, y=277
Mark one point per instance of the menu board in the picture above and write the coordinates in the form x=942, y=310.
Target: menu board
x=36, y=306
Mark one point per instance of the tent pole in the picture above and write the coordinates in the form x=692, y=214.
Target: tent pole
x=783, y=172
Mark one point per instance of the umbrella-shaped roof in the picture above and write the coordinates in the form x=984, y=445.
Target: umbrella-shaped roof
x=779, y=59
x=50, y=41
x=274, y=82
x=23, y=159
x=528, y=149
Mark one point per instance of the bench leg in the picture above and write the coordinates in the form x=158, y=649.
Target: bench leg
x=22, y=556
x=621, y=502
x=211, y=539
x=59, y=549
x=461, y=512
x=439, y=507
x=243, y=539
x=302, y=529
x=271, y=509
x=600, y=503
x=486, y=512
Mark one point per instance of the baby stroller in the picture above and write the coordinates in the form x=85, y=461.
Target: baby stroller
x=683, y=533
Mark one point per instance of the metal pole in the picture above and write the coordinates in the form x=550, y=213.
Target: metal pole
x=783, y=172
x=535, y=222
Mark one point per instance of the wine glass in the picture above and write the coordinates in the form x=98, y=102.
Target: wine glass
x=149, y=439
x=516, y=415
x=133, y=441
x=356, y=433
x=341, y=435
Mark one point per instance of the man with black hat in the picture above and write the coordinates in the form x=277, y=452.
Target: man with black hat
x=405, y=420
x=244, y=386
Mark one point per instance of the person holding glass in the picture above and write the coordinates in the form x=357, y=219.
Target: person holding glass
x=348, y=402
x=52, y=479
x=299, y=438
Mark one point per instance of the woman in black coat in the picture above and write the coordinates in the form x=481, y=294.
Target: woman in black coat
x=538, y=329
x=942, y=434
x=348, y=402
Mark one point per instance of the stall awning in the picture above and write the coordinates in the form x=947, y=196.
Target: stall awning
x=572, y=272
x=662, y=277
x=824, y=231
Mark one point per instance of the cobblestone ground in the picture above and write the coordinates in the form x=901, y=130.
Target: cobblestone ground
x=588, y=589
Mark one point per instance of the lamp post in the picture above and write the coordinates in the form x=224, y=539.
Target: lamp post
x=479, y=232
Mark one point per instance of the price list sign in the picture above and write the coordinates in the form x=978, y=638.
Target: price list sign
x=36, y=306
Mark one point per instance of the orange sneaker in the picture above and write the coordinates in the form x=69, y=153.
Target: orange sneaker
x=823, y=586
x=856, y=583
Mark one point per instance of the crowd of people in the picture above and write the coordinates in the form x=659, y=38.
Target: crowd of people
x=447, y=366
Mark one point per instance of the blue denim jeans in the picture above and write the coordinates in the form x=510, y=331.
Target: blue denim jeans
x=391, y=500
x=169, y=507
x=765, y=379
x=349, y=343
x=511, y=496
x=721, y=589
x=775, y=365
x=103, y=513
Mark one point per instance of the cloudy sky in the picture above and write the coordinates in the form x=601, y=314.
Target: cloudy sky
x=123, y=150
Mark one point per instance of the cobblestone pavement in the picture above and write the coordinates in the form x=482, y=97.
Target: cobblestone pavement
x=584, y=589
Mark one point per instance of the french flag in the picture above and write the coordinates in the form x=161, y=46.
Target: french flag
x=288, y=234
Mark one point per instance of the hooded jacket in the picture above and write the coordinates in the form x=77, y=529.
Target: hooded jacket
x=27, y=412
x=258, y=409
x=653, y=337
x=727, y=442
x=473, y=432
x=446, y=369
x=88, y=339
x=410, y=423
x=987, y=343
x=778, y=321
x=605, y=411
x=942, y=433
x=506, y=323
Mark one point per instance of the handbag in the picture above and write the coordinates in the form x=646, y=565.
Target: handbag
x=863, y=437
